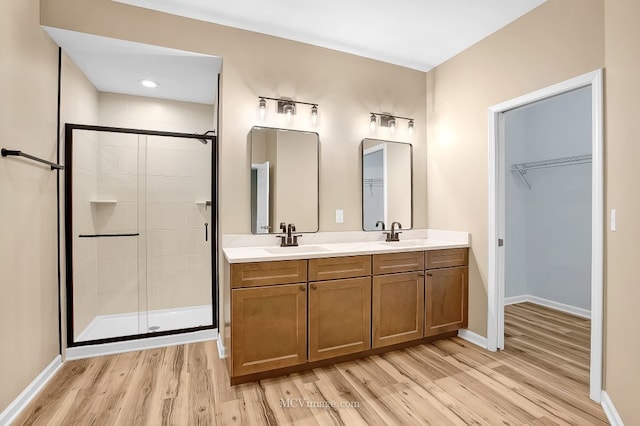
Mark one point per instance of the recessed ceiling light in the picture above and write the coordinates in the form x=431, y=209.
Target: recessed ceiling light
x=149, y=83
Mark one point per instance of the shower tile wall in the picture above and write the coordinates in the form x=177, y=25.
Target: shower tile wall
x=85, y=270
x=117, y=257
x=159, y=202
x=178, y=177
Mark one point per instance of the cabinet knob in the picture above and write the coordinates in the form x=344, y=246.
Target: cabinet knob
x=313, y=287
x=303, y=288
x=429, y=274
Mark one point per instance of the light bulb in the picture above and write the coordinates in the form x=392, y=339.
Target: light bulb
x=314, y=115
x=410, y=127
x=373, y=123
x=262, y=105
x=392, y=125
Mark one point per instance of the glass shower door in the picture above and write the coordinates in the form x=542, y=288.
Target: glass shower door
x=178, y=228
x=106, y=234
x=139, y=234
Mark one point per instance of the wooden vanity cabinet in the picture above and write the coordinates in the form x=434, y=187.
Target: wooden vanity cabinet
x=398, y=298
x=339, y=306
x=446, y=291
x=290, y=315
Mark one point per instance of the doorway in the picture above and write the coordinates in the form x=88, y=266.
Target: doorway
x=501, y=170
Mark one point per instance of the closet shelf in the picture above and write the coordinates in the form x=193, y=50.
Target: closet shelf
x=522, y=168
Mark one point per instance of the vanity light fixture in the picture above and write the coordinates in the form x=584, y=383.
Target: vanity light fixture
x=149, y=83
x=390, y=121
x=286, y=106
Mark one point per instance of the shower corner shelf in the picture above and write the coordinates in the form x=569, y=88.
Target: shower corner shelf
x=103, y=201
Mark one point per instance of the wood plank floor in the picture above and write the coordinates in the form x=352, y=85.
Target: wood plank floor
x=540, y=379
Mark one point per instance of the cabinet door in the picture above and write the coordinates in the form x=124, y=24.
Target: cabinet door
x=446, y=300
x=339, y=317
x=269, y=328
x=398, y=308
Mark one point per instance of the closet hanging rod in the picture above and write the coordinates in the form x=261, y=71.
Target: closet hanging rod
x=522, y=168
x=16, y=153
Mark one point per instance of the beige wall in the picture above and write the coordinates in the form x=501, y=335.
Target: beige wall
x=622, y=150
x=558, y=40
x=28, y=259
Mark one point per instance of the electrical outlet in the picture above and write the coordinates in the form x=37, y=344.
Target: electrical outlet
x=339, y=215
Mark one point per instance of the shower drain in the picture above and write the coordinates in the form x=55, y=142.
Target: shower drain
x=154, y=328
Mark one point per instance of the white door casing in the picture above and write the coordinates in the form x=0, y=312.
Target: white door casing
x=496, y=283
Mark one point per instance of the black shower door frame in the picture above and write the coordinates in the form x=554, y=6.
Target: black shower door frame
x=68, y=182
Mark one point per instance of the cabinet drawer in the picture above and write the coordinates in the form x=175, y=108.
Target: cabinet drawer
x=332, y=268
x=390, y=263
x=447, y=258
x=257, y=274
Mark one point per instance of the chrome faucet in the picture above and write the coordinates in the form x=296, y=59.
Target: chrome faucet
x=394, y=235
x=287, y=239
x=380, y=223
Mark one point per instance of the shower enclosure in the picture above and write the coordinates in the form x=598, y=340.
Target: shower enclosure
x=140, y=228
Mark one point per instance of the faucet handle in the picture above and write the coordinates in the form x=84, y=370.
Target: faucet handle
x=283, y=226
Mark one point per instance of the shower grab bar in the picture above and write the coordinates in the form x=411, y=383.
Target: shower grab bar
x=11, y=152
x=107, y=235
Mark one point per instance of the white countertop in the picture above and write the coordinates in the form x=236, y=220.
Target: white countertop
x=238, y=248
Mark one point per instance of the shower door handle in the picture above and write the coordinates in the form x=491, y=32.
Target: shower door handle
x=206, y=231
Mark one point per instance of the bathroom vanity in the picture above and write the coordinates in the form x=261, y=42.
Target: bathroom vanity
x=288, y=309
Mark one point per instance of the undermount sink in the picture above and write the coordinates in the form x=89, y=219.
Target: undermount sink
x=405, y=243
x=296, y=249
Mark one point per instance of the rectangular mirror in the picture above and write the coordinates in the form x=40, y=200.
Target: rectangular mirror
x=284, y=180
x=387, y=184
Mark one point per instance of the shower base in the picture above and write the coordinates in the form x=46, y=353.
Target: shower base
x=127, y=324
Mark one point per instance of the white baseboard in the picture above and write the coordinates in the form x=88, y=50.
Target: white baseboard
x=573, y=310
x=79, y=352
x=474, y=338
x=610, y=410
x=30, y=392
x=221, y=351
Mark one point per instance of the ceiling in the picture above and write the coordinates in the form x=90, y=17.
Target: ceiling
x=418, y=34
x=118, y=66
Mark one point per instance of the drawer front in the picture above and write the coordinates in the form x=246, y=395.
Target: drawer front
x=447, y=258
x=391, y=263
x=332, y=268
x=257, y=274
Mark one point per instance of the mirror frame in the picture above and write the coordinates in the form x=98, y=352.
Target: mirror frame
x=362, y=181
x=317, y=171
